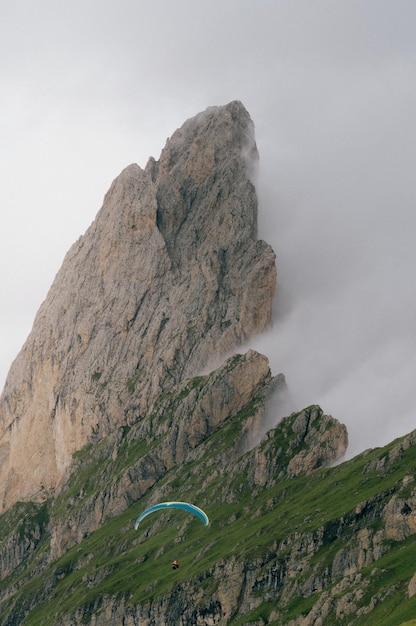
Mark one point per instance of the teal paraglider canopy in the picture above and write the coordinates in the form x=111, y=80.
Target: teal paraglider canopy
x=186, y=506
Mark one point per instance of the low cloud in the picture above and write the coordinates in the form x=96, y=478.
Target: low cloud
x=90, y=87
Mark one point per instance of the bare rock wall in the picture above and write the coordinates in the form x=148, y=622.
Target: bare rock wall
x=169, y=277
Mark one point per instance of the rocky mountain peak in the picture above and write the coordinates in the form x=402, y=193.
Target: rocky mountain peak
x=169, y=277
x=114, y=404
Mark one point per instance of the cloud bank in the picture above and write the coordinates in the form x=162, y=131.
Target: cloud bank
x=88, y=88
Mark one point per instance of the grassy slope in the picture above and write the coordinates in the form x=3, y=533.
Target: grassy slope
x=118, y=561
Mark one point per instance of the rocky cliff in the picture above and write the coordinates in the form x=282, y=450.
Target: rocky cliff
x=123, y=397
x=169, y=277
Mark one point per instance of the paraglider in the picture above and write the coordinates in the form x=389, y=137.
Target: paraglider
x=186, y=506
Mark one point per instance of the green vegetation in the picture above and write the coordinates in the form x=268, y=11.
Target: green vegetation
x=253, y=528
x=132, y=382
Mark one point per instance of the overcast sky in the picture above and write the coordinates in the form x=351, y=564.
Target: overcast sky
x=88, y=87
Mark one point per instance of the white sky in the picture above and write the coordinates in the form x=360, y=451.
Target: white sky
x=88, y=87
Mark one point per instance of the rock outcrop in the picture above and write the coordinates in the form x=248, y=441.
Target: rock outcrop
x=169, y=276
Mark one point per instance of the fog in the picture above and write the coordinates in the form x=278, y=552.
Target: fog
x=89, y=87
x=341, y=222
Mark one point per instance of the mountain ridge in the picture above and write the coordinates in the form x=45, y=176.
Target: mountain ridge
x=132, y=389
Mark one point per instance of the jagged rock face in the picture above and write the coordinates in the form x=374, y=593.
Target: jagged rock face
x=169, y=276
x=310, y=439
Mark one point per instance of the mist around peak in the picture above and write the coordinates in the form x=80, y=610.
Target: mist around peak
x=343, y=332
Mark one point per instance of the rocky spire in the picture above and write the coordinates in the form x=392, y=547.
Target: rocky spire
x=169, y=277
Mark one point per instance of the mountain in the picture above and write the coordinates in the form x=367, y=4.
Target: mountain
x=168, y=278
x=132, y=389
